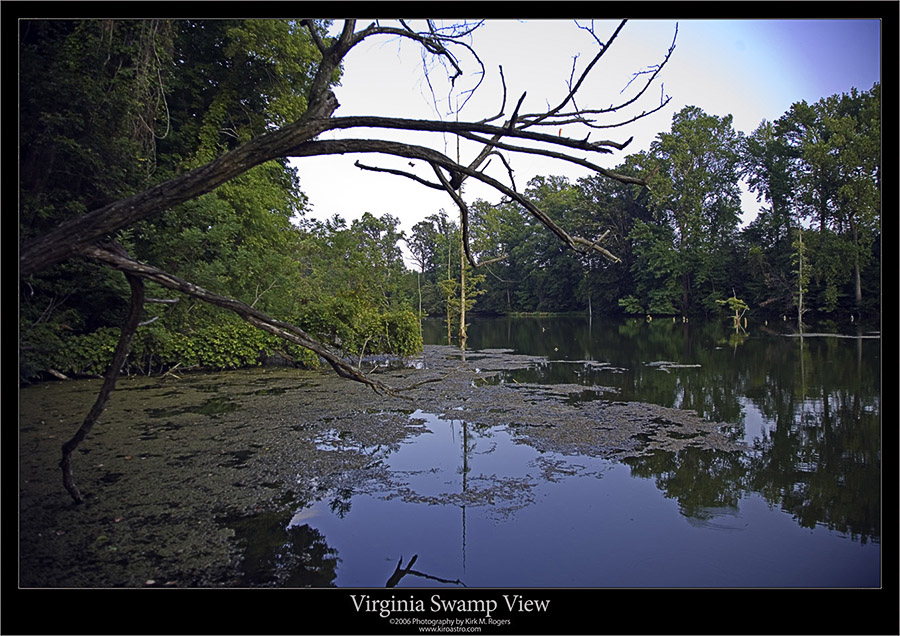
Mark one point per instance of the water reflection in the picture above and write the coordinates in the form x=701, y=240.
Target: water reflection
x=816, y=451
x=276, y=553
x=699, y=480
x=483, y=506
x=400, y=572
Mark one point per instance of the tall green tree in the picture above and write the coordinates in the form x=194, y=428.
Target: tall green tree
x=767, y=240
x=696, y=193
x=615, y=208
x=818, y=167
x=855, y=135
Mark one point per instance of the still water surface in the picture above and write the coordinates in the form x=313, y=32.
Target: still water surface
x=479, y=508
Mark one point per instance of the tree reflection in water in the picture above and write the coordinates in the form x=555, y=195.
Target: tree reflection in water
x=282, y=555
x=819, y=455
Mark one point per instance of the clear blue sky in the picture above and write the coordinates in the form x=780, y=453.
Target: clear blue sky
x=751, y=69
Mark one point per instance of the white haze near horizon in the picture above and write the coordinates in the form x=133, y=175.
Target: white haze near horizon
x=750, y=69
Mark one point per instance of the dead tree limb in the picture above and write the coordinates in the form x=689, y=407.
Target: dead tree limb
x=255, y=317
x=464, y=220
x=409, y=151
x=109, y=382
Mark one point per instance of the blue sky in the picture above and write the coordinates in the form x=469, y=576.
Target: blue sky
x=751, y=69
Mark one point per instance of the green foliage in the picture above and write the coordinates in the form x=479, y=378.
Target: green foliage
x=86, y=353
x=737, y=307
x=230, y=344
x=112, y=107
x=631, y=305
x=109, y=108
x=354, y=294
x=655, y=269
x=402, y=333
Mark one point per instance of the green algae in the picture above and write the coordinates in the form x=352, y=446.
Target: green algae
x=169, y=472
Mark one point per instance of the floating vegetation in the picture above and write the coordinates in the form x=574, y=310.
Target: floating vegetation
x=666, y=366
x=172, y=462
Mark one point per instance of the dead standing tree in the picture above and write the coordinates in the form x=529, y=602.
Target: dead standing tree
x=89, y=236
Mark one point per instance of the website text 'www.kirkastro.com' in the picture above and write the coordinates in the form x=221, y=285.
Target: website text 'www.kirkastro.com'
x=451, y=625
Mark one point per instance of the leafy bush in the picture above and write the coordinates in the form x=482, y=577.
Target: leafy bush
x=404, y=337
x=227, y=345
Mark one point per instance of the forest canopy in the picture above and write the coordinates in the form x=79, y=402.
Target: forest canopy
x=110, y=109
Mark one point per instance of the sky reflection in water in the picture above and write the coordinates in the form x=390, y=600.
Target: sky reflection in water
x=479, y=508
x=525, y=519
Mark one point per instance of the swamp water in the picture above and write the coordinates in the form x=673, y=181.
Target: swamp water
x=557, y=452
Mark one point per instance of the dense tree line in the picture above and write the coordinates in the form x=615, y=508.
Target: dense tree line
x=110, y=108
x=816, y=172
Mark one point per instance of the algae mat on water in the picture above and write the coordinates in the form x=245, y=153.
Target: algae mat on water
x=172, y=459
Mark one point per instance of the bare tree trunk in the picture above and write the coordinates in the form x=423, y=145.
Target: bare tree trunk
x=857, y=278
x=800, y=308
x=449, y=324
x=463, y=336
x=109, y=384
x=462, y=293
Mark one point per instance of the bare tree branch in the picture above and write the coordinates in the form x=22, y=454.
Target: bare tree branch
x=464, y=220
x=553, y=117
x=558, y=155
x=553, y=111
x=509, y=169
x=502, y=101
x=409, y=151
x=255, y=317
x=109, y=381
x=401, y=173
x=428, y=125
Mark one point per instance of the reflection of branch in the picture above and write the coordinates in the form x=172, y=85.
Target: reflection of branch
x=399, y=574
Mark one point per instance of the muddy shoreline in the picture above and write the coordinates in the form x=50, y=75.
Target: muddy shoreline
x=176, y=463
